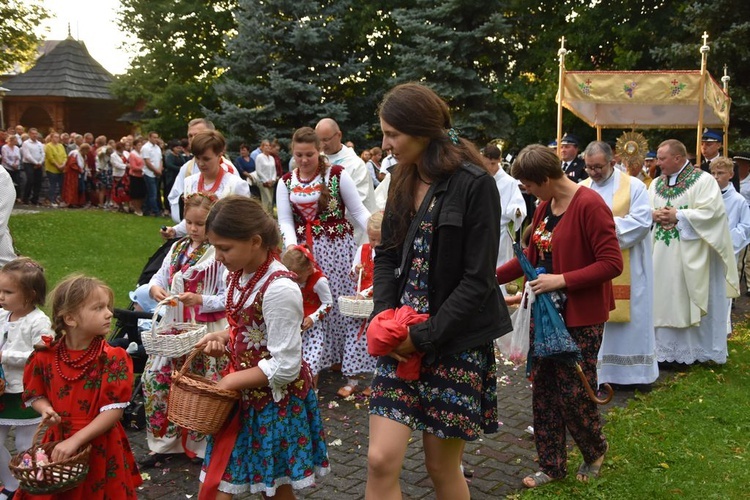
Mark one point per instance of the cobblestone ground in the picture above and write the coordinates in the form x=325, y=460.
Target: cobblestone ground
x=499, y=461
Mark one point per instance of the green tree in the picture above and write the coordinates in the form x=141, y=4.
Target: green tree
x=455, y=46
x=292, y=63
x=18, y=29
x=172, y=75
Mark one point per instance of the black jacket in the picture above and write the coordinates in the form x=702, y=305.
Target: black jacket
x=466, y=307
x=576, y=171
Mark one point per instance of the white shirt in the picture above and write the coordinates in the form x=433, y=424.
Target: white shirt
x=152, y=153
x=7, y=198
x=32, y=152
x=265, y=168
x=17, y=339
x=118, y=166
x=12, y=157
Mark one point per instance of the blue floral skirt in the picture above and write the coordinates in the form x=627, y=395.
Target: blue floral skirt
x=455, y=397
x=275, y=446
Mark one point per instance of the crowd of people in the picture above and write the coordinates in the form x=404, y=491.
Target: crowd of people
x=642, y=259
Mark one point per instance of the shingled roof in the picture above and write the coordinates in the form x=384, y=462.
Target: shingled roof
x=68, y=70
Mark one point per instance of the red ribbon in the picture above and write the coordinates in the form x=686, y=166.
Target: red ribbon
x=224, y=441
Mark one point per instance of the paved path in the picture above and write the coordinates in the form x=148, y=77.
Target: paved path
x=499, y=461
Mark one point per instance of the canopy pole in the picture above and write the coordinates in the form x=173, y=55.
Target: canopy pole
x=701, y=97
x=561, y=91
x=725, y=85
x=599, y=133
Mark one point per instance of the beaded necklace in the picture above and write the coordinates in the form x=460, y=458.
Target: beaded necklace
x=82, y=363
x=217, y=182
x=312, y=177
x=233, y=308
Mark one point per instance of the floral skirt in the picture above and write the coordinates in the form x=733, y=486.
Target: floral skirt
x=454, y=397
x=275, y=446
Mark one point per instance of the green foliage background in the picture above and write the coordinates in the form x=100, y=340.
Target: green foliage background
x=262, y=68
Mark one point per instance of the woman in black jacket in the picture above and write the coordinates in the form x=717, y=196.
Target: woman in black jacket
x=438, y=250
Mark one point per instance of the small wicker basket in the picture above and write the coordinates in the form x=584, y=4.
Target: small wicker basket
x=55, y=477
x=196, y=403
x=171, y=339
x=354, y=307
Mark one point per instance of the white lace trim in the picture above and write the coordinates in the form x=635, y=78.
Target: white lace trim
x=113, y=406
x=20, y=421
x=270, y=491
x=676, y=352
x=28, y=403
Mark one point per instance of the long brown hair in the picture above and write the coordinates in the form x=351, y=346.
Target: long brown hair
x=240, y=218
x=306, y=135
x=416, y=110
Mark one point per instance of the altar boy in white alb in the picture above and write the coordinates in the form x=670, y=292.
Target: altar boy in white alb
x=695, y=271
x=626, y=356
x=738, y=212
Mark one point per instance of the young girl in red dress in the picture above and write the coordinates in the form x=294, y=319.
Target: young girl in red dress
x=275, y=442
x=81, y=385
x=316, y=301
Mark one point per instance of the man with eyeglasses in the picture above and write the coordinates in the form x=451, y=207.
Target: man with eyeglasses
x=330, y=134
x=695, y=273
x=626, y=355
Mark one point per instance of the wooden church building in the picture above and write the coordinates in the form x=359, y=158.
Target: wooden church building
x=66, y=90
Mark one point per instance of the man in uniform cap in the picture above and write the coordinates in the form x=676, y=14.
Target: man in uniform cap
x=711, y=142
x=652, y=169
x=573, y=166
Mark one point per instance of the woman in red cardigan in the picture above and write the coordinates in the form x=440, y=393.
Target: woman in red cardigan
x=573, y=238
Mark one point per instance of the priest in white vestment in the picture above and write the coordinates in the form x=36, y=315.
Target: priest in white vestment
x=627, y=354
x=512, y=204
x=695, y=272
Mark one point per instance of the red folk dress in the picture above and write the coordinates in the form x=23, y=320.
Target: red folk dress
x=113, y=473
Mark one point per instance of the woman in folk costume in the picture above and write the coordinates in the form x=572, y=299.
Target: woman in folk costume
x=74, y=189
x=208, y=147
x=311, y=201
x=191, y=273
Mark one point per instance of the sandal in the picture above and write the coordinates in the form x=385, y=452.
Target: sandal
x=367, y=392
x=346, y=391
x=6, y=494
x=537, y=479
x=587, y=471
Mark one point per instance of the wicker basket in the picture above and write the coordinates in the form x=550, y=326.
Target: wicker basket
x=354, y=307
x=196, y=403
x=56, y=477
x=171, y=339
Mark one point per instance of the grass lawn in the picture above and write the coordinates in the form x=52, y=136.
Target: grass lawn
x=687, y=439
x=111, y=246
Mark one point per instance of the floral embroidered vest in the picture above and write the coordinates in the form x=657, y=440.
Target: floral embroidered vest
x=248, y=340
x=330, y=223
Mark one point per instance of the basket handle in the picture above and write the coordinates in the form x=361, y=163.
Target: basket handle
x=170, y=301
x=188, y=360
x=41, y=429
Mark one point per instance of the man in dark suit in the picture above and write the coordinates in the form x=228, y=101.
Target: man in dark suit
x=573, y=166
x=711, y=143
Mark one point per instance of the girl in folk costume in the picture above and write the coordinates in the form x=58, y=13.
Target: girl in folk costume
x=22, y=324
x=74, y=181
x=364, y=259
x=81, y=385
x=311, y=201
x=275, y=442
x=317, y=302
x=207, y=147
x=363, y=268
x=191, y=273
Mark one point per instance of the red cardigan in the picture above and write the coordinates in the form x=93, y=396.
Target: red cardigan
x=585, y=251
